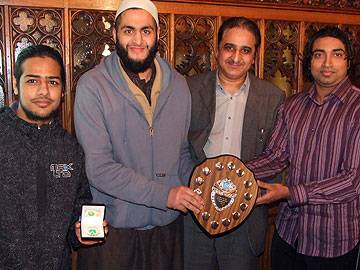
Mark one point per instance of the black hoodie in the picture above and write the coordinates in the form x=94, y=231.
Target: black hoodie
x=42, y=187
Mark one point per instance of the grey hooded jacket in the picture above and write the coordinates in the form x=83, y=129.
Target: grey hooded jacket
x=131, y=166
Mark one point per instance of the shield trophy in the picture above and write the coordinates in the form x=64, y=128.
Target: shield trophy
x=229, y=191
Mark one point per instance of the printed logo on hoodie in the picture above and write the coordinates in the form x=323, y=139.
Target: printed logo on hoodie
x=61, y=170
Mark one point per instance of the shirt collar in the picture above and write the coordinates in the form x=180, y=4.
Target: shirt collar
x=339, y=92
x=245, y=85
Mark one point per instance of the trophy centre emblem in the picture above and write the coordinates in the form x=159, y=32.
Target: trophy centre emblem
x=223, y=194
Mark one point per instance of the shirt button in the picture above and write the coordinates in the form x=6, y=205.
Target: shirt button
x=229, y=117
x=230, y=97
x=226, y=138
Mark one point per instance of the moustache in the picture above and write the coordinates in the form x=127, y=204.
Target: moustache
x=42, y=99
x=233, y=62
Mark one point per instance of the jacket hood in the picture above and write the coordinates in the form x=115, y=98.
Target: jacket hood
x=112, y=68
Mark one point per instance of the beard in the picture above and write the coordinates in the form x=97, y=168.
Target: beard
x=35, y=117
x=136, y=66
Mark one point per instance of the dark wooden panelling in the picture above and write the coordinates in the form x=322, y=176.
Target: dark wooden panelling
x=36, y=26
x=281, y=54
x=354, y=33
x=3, y=88
x=347, y=5
x=195, y=37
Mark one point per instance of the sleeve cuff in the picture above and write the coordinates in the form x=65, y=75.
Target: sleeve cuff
x=161, y=197
x=298, y=195
x=72, y=239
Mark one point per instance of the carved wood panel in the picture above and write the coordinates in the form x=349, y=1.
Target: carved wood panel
x=165, y=41
x=91, y=39
x=323, y=4
x=282, y=54
x=354, y=34
x=316, y=3
x=3, y=88
x=195, y=38
x=36, y=26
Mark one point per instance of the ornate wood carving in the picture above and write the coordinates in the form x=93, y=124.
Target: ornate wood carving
x=281, y=54
x=350, y=4
x=312, y=28
x=164, y=42
x=195, y=37
x=354, y=34
x=36, y=26
x=91, y=39
x=3, y=88
x=324, y=4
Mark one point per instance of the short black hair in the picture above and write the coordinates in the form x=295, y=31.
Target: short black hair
x=38, y=51
x=327, y=31
x=241, y=22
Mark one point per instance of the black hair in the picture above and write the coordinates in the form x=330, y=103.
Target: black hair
x=327, y=31
x=38, y=51
x=242, y=22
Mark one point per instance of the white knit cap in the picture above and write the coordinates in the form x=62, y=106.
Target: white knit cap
x=142, y=4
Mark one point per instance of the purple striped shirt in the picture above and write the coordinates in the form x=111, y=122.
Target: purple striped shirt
x=320, y=146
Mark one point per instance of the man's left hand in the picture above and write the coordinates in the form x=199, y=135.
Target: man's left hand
x=274, y=192
x=89, y=242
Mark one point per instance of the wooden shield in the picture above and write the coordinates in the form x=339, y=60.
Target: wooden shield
x=229, y=191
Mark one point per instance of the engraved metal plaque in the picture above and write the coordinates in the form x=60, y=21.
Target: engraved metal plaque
x=229, y=191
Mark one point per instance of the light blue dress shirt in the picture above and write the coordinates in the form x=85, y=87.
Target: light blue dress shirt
x=225, y=136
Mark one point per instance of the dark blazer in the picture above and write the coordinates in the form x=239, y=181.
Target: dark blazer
x=260, y=114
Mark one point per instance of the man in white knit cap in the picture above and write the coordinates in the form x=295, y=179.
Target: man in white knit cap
x=132, y=115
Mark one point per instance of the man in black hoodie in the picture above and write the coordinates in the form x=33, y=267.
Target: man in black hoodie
x=42, y=175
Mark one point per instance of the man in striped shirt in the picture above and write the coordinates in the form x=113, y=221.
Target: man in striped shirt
x=317, y=137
